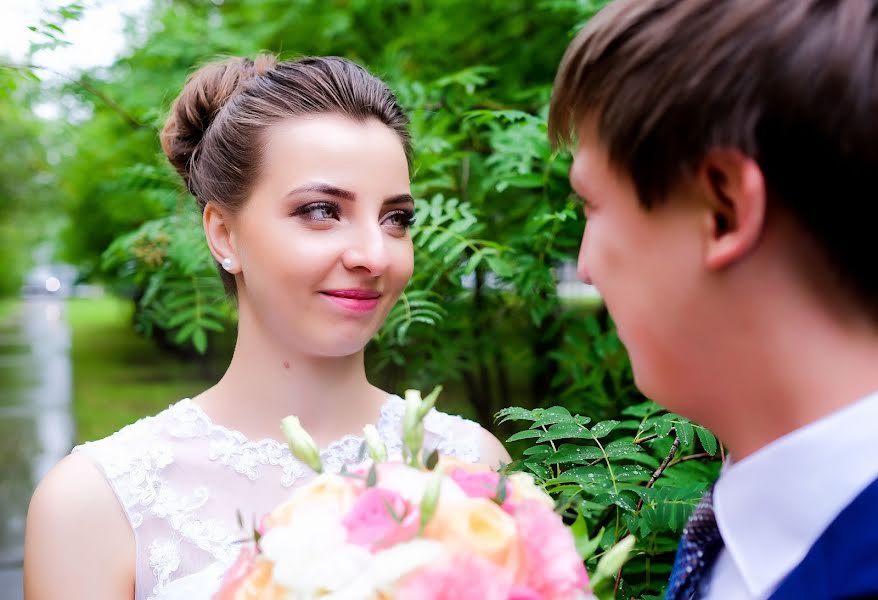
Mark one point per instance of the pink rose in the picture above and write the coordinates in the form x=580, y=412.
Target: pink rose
x=478, y=485
x=237, y=573
x=463, y=577
x=550, y=564
x=381, y=518
x=520, y=592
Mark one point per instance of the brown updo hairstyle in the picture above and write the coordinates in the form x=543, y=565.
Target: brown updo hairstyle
x=213, y=136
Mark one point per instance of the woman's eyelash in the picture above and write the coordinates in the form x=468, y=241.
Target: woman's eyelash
x=406, y=217
x=309, y=209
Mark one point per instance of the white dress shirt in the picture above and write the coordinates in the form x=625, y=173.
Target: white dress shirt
x=772, y=506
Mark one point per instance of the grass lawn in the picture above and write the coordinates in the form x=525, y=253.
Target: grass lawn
x=8, y=307
x=118, y=376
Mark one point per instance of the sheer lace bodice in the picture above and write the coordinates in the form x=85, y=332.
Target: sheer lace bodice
x=182, y=480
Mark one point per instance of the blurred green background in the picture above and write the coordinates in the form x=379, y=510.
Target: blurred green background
x=497, y=230
x=111, y=308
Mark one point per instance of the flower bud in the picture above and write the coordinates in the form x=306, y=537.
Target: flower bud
x=431, y=495
x=412, y=426
x=301, y=444
x=375, y=446
x=613, y=559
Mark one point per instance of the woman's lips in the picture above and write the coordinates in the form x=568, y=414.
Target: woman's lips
x=354, y=300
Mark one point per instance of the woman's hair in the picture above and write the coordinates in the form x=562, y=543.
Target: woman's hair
x=214, y=134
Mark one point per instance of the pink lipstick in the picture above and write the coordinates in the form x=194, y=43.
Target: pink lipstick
x=354, y=300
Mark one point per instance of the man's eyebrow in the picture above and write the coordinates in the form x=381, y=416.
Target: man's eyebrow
x=322, y=188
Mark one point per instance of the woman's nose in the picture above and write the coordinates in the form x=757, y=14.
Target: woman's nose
x=367, y=250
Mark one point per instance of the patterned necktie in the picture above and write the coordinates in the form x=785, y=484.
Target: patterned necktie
x=699, y=547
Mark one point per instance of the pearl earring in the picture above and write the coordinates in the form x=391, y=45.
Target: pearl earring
x=227, y=264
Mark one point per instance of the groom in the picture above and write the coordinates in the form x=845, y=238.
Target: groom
x=726, y=152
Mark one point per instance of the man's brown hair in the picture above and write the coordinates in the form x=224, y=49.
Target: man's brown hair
x=791, y=83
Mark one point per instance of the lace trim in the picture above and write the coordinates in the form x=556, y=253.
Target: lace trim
x=134, y=458
x=450, y=434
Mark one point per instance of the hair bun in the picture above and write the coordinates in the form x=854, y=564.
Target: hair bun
x=205, y=93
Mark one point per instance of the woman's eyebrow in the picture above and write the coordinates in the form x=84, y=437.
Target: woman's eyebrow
x=322, y=188
x=337, y=192
x=400, y=199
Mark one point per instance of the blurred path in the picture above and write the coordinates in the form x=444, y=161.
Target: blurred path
x=36, y=423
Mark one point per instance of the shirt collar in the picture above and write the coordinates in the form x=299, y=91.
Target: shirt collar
x=772, y=506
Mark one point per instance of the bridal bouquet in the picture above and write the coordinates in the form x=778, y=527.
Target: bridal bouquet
x=427, y=528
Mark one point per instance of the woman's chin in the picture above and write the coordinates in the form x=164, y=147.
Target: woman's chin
x=340, y=348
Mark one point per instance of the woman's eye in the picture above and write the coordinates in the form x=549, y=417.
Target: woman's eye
x=320, y=211
x=323, y=212
x=402, y=219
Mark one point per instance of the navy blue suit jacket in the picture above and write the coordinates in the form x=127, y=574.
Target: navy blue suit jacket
x=843, y=563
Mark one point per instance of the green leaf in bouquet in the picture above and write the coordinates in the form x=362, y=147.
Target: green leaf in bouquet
x=431, y=459
x=372, y=477
x=502, y=489
x=585, y=546
x=604, y=577
x=397, y=518
x=431, y=496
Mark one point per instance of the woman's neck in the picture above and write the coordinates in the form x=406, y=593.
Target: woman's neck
x=264, y=383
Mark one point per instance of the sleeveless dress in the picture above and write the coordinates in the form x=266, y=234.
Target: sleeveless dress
x=182, y=481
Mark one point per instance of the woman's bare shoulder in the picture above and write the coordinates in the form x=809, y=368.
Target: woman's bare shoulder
x=491, y=450
x=78, y=541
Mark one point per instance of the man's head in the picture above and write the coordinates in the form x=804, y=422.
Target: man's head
x=743, y=133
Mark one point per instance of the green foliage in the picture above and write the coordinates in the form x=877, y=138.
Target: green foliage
x=495, y=222
x=640, y=475
x=27, y=191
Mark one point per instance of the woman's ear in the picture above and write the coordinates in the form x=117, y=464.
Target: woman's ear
x=220, y=237
x=734, y=188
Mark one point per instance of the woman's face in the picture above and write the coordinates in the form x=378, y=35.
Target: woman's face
x=323, y=242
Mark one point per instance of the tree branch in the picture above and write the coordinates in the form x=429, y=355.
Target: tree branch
x=84, y=84
x=690, y=457
x=661, y=469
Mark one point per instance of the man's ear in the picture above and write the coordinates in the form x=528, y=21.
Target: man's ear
x=734, y=189
x=220, y=237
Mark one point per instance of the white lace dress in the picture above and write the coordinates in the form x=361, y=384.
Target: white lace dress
x=181, y=480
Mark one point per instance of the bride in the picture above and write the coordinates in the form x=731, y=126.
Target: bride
x=301, y=169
